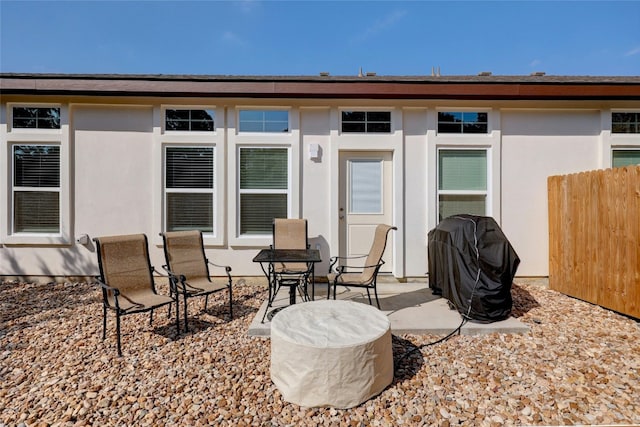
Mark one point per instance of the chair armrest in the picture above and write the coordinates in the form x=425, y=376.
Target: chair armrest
x=106, y=287
x=174, y=279
x=116, y=294
x=334, y=259
x=227, y=269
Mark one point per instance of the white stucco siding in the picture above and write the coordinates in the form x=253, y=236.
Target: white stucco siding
x=416, y=191
x=113, y=170
x=316, y=191
x=536, y=145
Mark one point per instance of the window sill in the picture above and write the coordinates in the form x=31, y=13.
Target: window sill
x=36, y=239
x=252, y=241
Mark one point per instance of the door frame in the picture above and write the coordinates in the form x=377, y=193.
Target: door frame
x=397, y=211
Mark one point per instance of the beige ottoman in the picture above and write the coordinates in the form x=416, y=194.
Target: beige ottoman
x=331, y=353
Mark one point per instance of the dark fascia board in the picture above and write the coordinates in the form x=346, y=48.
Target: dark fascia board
x=370, y=87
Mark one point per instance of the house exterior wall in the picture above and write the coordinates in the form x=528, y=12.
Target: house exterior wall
x=113, y=158
x=535, y=145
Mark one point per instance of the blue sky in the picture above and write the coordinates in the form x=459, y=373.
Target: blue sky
x=307, y=37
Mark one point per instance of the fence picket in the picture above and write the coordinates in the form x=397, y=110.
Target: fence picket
x=594, y=237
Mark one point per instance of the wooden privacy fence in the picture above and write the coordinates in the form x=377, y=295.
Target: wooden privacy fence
x=594, y=237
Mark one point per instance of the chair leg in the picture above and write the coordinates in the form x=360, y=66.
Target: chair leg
x=206, y=301
x=151, y=318
x=334, y=290
x=230, y=304
x=177, y=314
x=118, y=332
x=104, y=321
x=369, y=295
x=375, y=291
x=186, y=326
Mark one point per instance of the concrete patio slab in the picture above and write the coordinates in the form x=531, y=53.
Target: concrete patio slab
x=411, y=307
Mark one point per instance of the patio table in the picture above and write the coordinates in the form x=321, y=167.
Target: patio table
x=331, y=353
x=269, y=257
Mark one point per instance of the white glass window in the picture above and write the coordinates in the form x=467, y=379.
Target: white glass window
x=365, y=189
x=625, y=122
x=36, y=118
x=189, y=188
x=264, y=188
x=270, y=121
x=190, y=120
x=462, y=122
x=36, y=188
x=366, y=122
x=621, y=158
x=462, y=182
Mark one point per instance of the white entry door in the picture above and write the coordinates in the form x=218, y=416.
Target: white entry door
x=365, y=201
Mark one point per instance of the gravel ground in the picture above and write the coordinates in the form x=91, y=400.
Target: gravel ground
x=579, y=364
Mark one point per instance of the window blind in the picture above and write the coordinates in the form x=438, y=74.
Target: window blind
x=36, y=212
x=264, y=168
x=623, y=158
x=365, y=186
x=257, y=212
x=264, y=186
x=36, y=165
x=189, y=167
x=461, y=204
x=462, y=170
x=190, y=211
x=189, y=181
x=36, y=188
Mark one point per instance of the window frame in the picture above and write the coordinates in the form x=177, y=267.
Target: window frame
x=34, y=136
x=636, y=122
x=486, y=193
x=365, y=122
x=214, y=139
x=617, y=141
x=189, y=108
x=213, y=190
x=240, y=191
x=623, y=148
x=462, y=133
x=241, y=109
x=10, y=116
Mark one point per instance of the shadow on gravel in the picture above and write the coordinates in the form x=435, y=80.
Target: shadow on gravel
x=30, y=304
x=523, y=301
x=406, y=362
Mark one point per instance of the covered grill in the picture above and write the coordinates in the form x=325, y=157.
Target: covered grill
x=472, y=264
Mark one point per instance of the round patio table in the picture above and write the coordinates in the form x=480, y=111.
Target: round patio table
x=331, y=353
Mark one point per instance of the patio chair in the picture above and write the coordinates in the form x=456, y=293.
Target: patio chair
x=126, y=279
x=291, y=233
x=188, y=268
x=368, y=274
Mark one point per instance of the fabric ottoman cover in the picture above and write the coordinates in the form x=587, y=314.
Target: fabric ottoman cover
x=331, y=353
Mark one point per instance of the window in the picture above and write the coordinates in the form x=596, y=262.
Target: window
x=462, y=182
x=459, y=122
x=273, y=121
x=189, y=188
x=365, y=183
x=190, y=120
x=264, y=188
x=36, y=118
x=366, y=121
x=36, y=188
x=625, y=122
x=621, y=158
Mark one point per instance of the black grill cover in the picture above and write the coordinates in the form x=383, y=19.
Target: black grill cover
x=453, y=266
